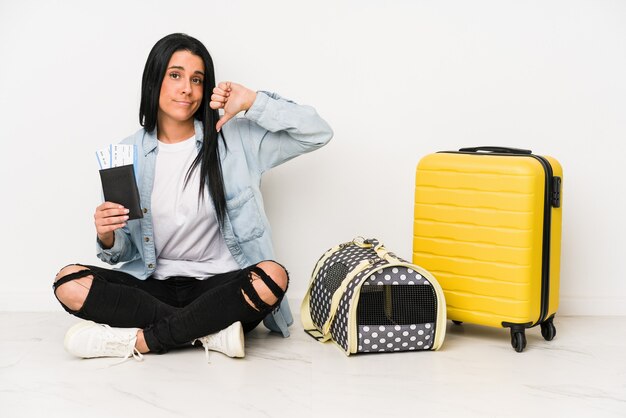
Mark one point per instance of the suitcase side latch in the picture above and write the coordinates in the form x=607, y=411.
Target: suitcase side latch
x=556, y=192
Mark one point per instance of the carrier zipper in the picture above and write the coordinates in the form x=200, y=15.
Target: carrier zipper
x=552, y=197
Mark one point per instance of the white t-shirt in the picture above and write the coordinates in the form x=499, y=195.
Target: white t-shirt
x=187, y=237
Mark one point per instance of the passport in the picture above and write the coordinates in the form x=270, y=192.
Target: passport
x=119, y=185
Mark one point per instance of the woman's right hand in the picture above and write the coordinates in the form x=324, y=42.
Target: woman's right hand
x=109, y=216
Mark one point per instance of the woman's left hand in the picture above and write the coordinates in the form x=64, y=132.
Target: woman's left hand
x=231, y=97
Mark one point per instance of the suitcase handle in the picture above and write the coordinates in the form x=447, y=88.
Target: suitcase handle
x=502, y=150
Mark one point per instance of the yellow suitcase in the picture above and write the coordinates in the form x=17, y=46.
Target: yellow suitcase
x=487, y=225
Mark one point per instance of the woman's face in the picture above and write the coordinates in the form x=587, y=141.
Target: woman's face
x=182, y=88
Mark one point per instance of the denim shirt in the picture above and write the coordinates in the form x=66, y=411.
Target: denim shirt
x=273, y=131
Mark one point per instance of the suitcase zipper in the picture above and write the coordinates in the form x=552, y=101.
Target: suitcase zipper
x=552, y=198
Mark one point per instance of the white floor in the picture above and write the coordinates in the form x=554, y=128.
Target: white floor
x=581, y=373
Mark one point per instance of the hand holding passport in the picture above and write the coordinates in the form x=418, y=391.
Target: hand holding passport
x=117, y=173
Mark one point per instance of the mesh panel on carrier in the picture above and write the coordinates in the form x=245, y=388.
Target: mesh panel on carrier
x=396, y=305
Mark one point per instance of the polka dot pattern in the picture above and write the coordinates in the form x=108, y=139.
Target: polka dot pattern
x=347, y=258
x=390, y=338
x=396, y=276
x=339, y=327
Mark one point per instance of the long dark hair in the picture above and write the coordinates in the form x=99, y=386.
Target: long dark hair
x=209, y=156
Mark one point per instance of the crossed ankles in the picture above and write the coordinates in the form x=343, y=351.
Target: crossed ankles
x=88, y=339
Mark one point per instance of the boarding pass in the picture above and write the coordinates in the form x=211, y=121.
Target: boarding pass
x=116, y=155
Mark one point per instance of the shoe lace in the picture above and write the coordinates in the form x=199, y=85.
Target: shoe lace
x=206, y=341
x=119, y=343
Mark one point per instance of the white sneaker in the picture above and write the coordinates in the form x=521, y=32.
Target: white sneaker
x=228, y=341
x=88, y=340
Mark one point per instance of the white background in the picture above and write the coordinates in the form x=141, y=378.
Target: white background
x=395, y=81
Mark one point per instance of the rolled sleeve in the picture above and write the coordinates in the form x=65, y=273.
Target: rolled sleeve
x=113, y=255
x=285, y=129
x=258, y=107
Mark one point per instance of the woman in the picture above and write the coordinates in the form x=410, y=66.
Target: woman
x=198, y=265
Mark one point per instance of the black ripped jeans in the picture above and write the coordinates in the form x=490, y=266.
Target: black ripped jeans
x=175, y=311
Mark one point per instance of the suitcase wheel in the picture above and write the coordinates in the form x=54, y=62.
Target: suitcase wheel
x=548, y=331
x=518, y=339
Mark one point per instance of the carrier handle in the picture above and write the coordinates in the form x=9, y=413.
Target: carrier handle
x=501, y=150
x=364, y=243
x=384, y=254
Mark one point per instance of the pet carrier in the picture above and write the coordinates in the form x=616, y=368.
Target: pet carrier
x=368, y=300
